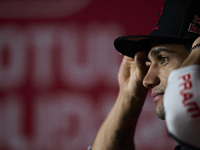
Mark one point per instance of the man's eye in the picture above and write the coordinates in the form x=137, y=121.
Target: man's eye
x=163, y=59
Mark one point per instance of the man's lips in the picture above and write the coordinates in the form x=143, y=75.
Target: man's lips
x=156, y=96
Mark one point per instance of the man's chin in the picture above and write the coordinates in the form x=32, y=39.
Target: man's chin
x=160, y=115
x=160, y=110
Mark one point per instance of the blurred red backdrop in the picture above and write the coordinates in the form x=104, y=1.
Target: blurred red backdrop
x=58, y=72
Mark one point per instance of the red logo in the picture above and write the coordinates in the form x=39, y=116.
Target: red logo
x=156, y=26
x=196, y=19
x=191, y=106
x=192, y=27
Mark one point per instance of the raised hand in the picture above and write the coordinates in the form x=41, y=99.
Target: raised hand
x=194, y=56
x=131, y=74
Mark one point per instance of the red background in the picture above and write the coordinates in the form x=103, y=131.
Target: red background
x=58, y=72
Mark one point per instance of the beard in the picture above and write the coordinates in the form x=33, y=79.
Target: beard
x=160, y=112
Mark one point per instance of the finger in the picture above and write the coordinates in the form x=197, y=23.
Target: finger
x=193, y=58
x=197, y=41
x=125, y=67
x=140, y=59
x=121, y=54
x=141, y=65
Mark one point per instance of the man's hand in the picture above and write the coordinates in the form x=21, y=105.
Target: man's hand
x=118, y=129
x=194, y=57
x=131, y=74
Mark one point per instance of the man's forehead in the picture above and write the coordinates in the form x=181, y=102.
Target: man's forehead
x=158, y=49
x=169, y=43
x=167, y=48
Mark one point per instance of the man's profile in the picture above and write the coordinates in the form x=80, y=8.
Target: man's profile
x=168, y=62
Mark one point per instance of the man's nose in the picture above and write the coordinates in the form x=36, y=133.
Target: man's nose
x=151, y=79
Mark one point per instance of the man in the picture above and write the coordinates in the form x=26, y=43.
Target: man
x=171, y=72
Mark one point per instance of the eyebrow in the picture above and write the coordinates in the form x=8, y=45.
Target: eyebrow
x=156, y=51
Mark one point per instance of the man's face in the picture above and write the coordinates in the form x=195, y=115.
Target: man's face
x=164, y=58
